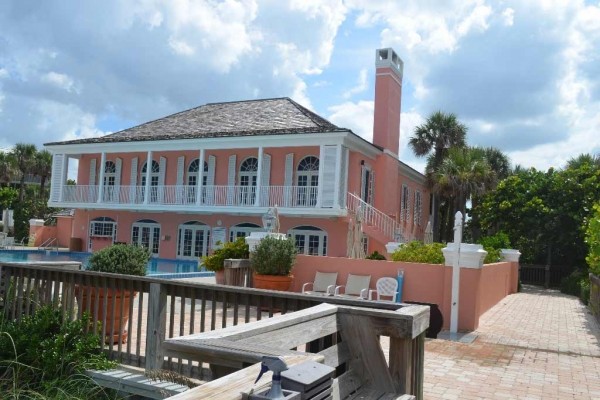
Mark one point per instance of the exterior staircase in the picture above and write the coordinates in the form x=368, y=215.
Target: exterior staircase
x=375, y=223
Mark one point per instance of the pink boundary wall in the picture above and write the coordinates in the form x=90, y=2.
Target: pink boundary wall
x=480, y=289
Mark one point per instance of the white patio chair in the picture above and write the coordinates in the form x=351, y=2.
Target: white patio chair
x=323, y=285
x=387, y=287
x=356, y=286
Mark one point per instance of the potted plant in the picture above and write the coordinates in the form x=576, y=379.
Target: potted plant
x=231, y=250
x=117, y=259
x=272, y=261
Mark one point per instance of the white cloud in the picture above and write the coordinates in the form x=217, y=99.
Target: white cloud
x=355, y=116
x=508, y=16
x=360, y=87
x=61, y=81
x=3, y=73
x=181, y=47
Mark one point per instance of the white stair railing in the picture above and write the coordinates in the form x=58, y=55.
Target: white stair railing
x=371, y=216
x=50, y=243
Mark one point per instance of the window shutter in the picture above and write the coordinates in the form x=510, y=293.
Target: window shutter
x=288, y=180
x=57, y=175
x=327, y=162
x=133, y=180
x=162, y=166
x=210, y=180
x=265, y=180
x=231, y=180
x=179, y=189
x=363, y=183
x=343, y=183
x=92, y=172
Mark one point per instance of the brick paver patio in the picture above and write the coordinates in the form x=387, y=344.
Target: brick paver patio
x=537, y=344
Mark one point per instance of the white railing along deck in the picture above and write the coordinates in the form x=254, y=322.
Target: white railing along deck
x=217, y=195
x=371, y=216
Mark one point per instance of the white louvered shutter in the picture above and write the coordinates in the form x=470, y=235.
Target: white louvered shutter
x=92, y=172
x=343, y=183
x=57, y=175
x=363, y=183
x=117, y=188
x=327, y=162
x=265, y=180
x=210, y=181
x=133, y=180
x=162, y=165
x=179, y=183
x=288, y=180
x=231, y=180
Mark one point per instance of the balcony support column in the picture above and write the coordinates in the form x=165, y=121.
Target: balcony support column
x=259, y=179
x=148, y=177
x=101, y=179
x=200, y=178
x=338, y=176
x=321, y=170
x=64, y=177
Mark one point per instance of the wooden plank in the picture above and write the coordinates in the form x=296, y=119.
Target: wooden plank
x=406, y=322
x=157, y=320
x=255, y=328
x=136, y=384
x=295, y=335
x=232, y=386
x=401, y=367
x=336, y=355
x=365, y=350
x=345, y=384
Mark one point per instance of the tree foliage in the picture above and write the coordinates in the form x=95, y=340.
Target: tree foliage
x=543, y=213
x=592, y=239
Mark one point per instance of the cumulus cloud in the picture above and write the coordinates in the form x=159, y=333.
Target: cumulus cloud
x=360, y=87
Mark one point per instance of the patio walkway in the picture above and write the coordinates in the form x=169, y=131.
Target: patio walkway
x=537, y=344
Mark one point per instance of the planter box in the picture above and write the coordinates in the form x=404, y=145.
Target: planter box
x=238, y=272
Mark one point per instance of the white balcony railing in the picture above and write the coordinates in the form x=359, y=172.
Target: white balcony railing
x=372, y=216
x=235, y=196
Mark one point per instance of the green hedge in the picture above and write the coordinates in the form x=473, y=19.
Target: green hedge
x=420, y=253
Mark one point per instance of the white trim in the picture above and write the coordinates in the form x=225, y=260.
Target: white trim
x=148, y=176
x=200, y=176
x=321, y=165
x=101, y=178
x=259, y=177
x=338, y=174
x=64, y=174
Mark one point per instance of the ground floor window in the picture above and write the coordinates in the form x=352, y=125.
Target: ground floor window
x=146, y=233
x=309, y=240
x=193, y=238
x=103, y=227
x=243, y=230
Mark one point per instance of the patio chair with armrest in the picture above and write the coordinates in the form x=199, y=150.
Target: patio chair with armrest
x=386, y=287
x=357, y=286
x=324, y=284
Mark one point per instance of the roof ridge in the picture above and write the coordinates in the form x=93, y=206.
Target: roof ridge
x=247, y=101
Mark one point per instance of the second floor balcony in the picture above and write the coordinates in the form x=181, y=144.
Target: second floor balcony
x=182, y=197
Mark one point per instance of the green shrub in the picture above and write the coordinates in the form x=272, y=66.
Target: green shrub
x=577, y=284
x=493, y=244
x=46, y=351
x=123, y=259
x=375, y=256
x=420, y=253
x=592, y=238
x=235, y=250
x=274, y=256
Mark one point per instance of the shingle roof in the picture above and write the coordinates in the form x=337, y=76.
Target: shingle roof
x=241, y=118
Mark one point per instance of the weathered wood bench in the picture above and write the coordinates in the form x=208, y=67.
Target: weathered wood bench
x=346, y=338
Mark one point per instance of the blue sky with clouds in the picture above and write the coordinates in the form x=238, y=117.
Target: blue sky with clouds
x=523, y=76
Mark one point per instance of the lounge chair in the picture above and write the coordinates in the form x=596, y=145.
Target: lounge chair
x=387, y=287
x=357, y=286
x=323, y=285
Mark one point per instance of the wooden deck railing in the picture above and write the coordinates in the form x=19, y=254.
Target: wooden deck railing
x=162, y=309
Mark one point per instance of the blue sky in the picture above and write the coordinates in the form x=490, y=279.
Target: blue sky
x=523, y=76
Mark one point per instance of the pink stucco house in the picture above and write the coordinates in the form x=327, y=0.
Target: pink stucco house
x=180, y=184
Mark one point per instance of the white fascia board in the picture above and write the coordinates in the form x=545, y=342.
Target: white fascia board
x=220, y=143
x=411, y=173
x=357, y=143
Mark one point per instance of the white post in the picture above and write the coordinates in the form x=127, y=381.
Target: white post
x=456, y=272
x=101, y=180
x=200, y=178
x=338, y=176
x=148, y=176
x=258, y=178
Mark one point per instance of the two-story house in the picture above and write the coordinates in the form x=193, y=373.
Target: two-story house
x=180, y=184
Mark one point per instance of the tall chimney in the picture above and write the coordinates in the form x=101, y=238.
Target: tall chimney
x=388, y=93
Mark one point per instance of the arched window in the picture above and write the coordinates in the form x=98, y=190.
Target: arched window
x=309, y=240
x=247, y=182
x=110, y=177
x=154, y=179
x=192, y=180
x=243, y=230
x=307, y=180
x=146, y=233
x=193, y=240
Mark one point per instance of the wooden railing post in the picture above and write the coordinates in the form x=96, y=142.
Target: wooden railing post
x=156, y=328
x=547, y=276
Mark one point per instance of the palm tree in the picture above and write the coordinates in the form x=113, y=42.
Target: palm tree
x=43, y=168
x=584, y=159
x=7, y=167
x=433, y=139
x=24, y=155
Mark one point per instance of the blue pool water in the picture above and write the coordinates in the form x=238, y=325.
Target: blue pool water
x=160, y=267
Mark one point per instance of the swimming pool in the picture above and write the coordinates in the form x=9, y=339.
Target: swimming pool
x=157, y=267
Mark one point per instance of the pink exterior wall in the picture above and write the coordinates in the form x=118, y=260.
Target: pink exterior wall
x=64, y=227
x=480, y=289
x=386, y=124
x=42, y=233
x=335, y=228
